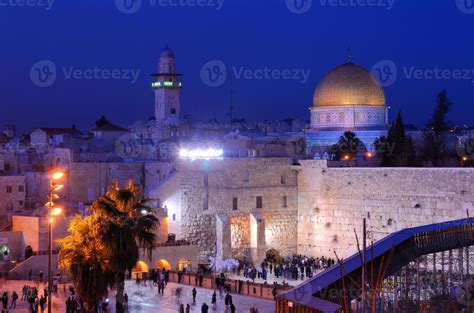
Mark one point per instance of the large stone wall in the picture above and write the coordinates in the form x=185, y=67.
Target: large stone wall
x=220, y=181
x=332, y=202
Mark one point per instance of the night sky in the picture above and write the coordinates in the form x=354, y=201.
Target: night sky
x=243, y=34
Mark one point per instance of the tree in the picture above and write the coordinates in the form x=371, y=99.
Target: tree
x=347, y=146
x=438, y=123
x=83, y=256
x=435, y=150
x=397, y=149
x=102, y=121
x=126, y=225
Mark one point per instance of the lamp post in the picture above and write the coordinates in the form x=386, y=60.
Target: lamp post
x=53, y=211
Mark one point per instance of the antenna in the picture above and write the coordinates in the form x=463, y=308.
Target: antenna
x=231, y=93
x=349, y=55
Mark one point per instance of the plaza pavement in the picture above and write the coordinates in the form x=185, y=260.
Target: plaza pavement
x=145, y=299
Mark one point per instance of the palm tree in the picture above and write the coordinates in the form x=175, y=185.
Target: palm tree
x=127, y=224
x=83, y=256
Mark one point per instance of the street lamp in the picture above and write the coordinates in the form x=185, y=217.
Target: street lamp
x=53, y=211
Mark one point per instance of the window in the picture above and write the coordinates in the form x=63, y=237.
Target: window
x=206, y=180
x=235, y=204
x=9, y=189
x=246, y=176
x=174, y=217
x=20, y=202
x=205, y=205
x=259, y=202
x=21, y=188
x=284, y=201
x=282, y=180
x=173, y=111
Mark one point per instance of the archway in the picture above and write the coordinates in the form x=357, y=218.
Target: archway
x=28, y=252
x=163, y=264
x=141, y=266
x=4, y=253
x=184, y=265
x=139, y=270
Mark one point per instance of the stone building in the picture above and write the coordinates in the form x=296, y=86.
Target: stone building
x=243, y=207
x=348, y=98
x=235, y=207
x=12, y=194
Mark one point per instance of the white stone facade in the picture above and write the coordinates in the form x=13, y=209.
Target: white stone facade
x=323, y=205
x=332, y=202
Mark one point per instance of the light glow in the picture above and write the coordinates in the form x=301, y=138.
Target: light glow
x=57, y=175
x=205, y=154
x=57, y=187
x=56, y=211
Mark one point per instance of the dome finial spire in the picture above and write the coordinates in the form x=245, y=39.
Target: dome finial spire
x=349, y=55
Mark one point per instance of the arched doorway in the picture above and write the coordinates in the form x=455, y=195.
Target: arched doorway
x=28, y=252
x=163, y=264
x=184, y=265
x=4, y=253
x=139, y=269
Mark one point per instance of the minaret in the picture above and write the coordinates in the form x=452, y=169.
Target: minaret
x=167, y=87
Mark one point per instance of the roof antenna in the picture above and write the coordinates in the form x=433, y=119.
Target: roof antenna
x=349, y=55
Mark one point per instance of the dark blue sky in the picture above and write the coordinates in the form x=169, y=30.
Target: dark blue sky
x=249, y=34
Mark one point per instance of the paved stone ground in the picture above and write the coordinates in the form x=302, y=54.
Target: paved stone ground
x=145, y=299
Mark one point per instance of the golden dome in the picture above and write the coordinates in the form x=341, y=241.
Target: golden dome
x=349, y=85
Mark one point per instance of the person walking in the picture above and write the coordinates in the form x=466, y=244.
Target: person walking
x=125, y=299
x=204, y=308
x=188, y=308
x=194, y=294
x=14, y=298
x=214, y=300
x=232, y=308
x=181, y=308
x=5, y=301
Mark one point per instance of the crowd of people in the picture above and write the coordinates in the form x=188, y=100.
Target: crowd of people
x=30, y=294
x=293, y=267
